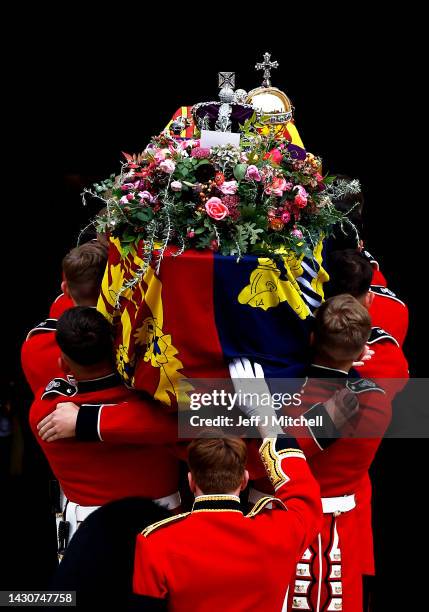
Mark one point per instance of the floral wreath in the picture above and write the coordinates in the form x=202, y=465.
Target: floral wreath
x=261, y=197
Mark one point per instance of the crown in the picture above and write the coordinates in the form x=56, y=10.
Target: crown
x=227, y=114
x=270, y=105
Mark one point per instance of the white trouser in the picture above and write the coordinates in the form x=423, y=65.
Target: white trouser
x=338, y=505
x=74, y=514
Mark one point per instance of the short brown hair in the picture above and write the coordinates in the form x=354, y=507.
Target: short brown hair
x=83, y=269
x=342, y=328
x=217, y=464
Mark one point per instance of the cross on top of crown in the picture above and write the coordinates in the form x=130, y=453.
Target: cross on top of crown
x=226, y=79
x=267, y=65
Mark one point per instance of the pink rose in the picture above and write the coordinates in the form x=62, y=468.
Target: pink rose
x=252, y=173
x=127, y=186
x=301, y=196
x=159, y=156
x=318, y=177
x=145, y=195
x=168, y=166
x=216, y=209
x=124, y=200
x=176, y=186
x=277, y=187
x=297, y=233
x=285, y=217
x=300, y=201
x=228, y=187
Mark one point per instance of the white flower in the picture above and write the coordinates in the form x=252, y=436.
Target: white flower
x=176, y=186
x=167, y=166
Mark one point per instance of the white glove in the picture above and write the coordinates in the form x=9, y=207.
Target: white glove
x=250, y=380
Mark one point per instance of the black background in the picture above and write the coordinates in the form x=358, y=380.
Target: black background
x=83, y=91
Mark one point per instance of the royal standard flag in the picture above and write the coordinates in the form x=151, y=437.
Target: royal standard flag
x=203, y=309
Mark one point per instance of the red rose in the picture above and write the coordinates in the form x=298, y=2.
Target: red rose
x=274, y=156
x=216, y=209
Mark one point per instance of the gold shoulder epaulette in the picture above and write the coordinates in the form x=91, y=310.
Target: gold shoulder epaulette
x=261, y=503
x=150, y=528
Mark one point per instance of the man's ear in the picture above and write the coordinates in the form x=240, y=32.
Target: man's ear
x=64, y=288
x=361, y=246
x=369, y=298
x=192, y=484
x=245, y=480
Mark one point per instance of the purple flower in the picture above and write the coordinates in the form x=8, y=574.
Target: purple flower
x=297, y=152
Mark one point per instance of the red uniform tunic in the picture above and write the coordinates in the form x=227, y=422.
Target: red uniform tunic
x=341, y=468
x=40, y=355
x=388, y=362
x=60, y=305
x=215, y=558
x=388, y=312
x=94, y=473
x=378, y=277
x=331, y=568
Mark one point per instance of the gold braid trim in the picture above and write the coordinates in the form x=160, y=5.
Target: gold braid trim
x=214, y=497
x=272, y=460
x=272, y=463
x=261, y=503
x=151, y=528
x=291, y=452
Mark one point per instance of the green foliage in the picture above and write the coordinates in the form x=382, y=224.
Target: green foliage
x=105, y=185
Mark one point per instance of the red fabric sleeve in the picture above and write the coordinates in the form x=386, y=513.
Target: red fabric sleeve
x=40, y=360
x=388, y=361
x=60, y=305
x=294, y=485
x=139, y=421
x=149, y=577
x=378, y=278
